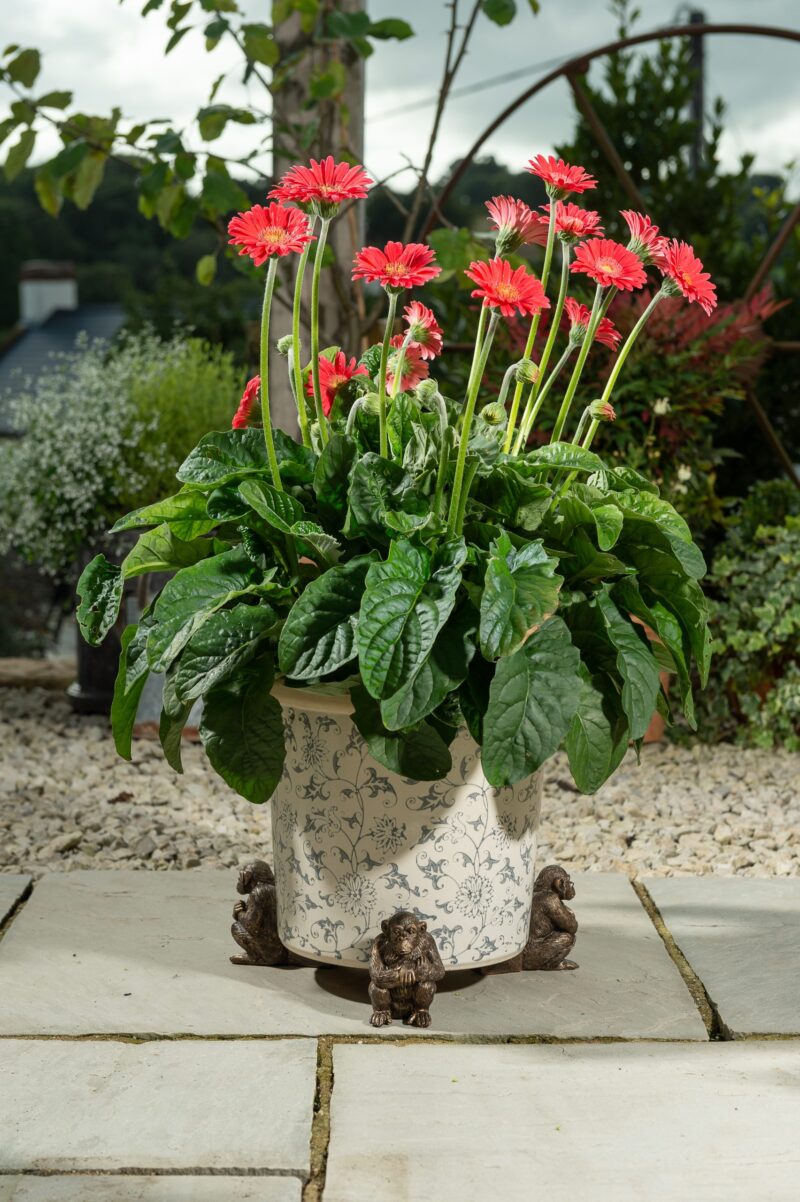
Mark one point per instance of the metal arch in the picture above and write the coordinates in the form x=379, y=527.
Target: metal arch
x=578, y=66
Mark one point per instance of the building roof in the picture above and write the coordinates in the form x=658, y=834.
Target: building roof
x=28, y=353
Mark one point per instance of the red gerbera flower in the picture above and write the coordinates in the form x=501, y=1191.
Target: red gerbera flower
x=333, y=375
x=425, y=331
x=272, y=231
x=509, y=291
x=396, y=266
x=324, y=184
x=414, y=367
x=609, y=263
x=578, y=316
x=559, y=177
x=514, y=221
x=573, y=222
x=681, y=265
x=241, y=418
x=646, y=241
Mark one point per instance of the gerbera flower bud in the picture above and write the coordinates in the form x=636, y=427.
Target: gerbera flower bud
x=684, y=275
x=515, y=223
x=609, y=264
x=322, y=186
x=509, y=291
x=261, y=233
x=425, y=331
x=526, y=372
x=285, y=344
x=333, y=376
x=426, y=390
x=602, y=411
x=559, y=177
x=396, y=267
x=645, y=241
x=241, y=418
x=494, y=414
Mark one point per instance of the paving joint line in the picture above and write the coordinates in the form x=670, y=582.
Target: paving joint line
x=716, y=1028
x=366, y=1039
x=18, y=905
x=321, y=1122
x=144, y=1171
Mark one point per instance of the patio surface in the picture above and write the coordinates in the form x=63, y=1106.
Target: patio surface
x=137, y=1063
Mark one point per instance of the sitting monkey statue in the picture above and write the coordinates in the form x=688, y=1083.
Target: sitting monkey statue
x=404, y=967
x=553, y=927
x=255, y=921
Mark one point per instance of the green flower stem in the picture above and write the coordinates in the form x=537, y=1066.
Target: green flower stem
x=530, y=418
x=548, y=258
x=400, y=364
x=469, y=476
x=504, y=387
x=387, y=338
x=531, y=409
x=588, y=338
x=469, y=411
x=476, y=354
x=269, y=288
x=441, y=476
x=322, y=421
x=302, y=410
x=581, y=426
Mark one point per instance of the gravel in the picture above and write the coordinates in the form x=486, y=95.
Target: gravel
x=68, y=801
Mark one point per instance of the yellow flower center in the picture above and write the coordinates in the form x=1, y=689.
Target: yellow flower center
x=607, y=265
x=507, y=292
x=273, y=234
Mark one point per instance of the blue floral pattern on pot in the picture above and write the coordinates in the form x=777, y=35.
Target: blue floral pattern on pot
x=353, y=843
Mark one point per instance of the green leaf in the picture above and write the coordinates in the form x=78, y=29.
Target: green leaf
x=100, y=592
x=325, y=85
x=213, y=119
x=260, y=46
x=332, y=479
x=279, y=509
x=24, y=67
x=532, y=701
x=391, y=27
x=185, y=514
x=518, y=502
x=88, y=178
x=131, y=678
x=635, y=664
x=606, y=520
x=217, y=649
x=224, y=455
x=190, y=597
x=418, y=754
x=220, y=193
x=668, y=628
x=54, y=100
x=318, y=636
x=159, y=550
x=347, y=25
x=598, y=735
x=520, y=591
x=242, y=732
x=442, y=672
x=316, y=543
x=563, y=455
x=406, y=602
x=502, y=12
x=205, y=269
x=19, y=154
x=173, y=719
x=379, y=486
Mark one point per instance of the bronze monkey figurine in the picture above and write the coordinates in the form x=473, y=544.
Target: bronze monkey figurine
x=255, y=921
x=404, y=967
x=553, y=927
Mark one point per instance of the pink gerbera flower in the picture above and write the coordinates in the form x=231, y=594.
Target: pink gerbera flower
x=646, y=241
x=425, y=331
x=682, y=267
x=578, y=316
x=559, y=177
x=574, y=223
x=333, y=375
x=396, y=266
x=609, y=264
x=514, y=221
x=323, y=185
x=510, y=291
x=261, y=233
x=241, y=418
x=415, y=369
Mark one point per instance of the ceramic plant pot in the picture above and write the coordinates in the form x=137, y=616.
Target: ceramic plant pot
x=353, y=843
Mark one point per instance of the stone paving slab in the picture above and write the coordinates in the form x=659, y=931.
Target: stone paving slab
x=78, y=1188
x=12, y=887
x=184, y=1106
x=593, y=1123
x=147, y=953
x=742, y=938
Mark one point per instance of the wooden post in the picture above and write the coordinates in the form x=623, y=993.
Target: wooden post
x=301, y=132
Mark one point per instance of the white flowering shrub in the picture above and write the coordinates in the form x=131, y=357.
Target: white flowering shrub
x=104, y=431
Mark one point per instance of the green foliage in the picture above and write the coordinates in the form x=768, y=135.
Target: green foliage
x=103, y=431
x=754, y=584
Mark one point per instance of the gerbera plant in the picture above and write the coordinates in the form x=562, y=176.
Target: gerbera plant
x=411, y=550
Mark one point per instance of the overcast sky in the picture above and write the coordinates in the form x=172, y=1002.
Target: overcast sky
x=109, y=54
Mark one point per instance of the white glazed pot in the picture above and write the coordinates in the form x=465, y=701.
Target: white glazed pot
x=353, y=843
